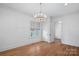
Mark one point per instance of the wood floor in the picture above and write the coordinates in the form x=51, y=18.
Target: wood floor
x=43, y=49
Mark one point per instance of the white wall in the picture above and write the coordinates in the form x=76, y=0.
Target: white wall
x=58, y=29
x=70, y=29
x=14, y=29
x=52, y=28
x=48, y=30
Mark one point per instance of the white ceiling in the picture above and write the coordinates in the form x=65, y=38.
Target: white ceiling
x=51, y=9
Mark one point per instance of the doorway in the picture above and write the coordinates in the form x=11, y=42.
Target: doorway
x=58, y=31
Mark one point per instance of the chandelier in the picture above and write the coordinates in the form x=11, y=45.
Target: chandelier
x=40, y=16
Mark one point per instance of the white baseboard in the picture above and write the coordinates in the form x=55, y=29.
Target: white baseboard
x=67, y=43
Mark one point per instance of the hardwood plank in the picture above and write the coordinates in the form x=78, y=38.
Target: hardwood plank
x=43, y=49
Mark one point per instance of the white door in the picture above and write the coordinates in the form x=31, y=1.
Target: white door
x=58, y=29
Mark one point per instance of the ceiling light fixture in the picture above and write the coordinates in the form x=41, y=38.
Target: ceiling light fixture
x=40, y=16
